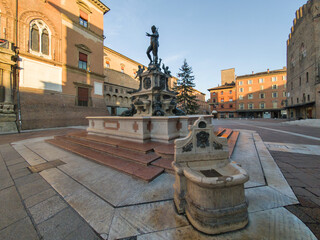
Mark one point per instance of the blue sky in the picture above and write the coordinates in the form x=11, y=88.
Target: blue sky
x=248, y=35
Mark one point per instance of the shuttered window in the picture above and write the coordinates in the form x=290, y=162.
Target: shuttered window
x=83, y=59
x=83, y=19
x=83, y=96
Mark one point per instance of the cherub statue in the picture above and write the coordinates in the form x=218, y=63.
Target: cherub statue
x=140, y=70
x=166, y=70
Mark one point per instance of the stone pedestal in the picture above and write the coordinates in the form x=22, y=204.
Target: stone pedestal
x=7, y=111
x=208, y=188
x=154, y=97
x=143, y=129
x=8, y=123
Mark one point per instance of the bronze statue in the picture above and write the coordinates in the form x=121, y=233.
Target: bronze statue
x=140, y=71
x=154, y=44
x=166, y=70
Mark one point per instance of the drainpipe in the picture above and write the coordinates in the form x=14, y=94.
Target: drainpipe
x=18, y=121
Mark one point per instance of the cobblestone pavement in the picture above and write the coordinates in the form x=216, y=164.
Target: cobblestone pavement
x=29, y=207
x=302, y=171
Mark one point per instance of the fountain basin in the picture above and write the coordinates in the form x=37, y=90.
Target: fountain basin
x=209, y=188
x=216, y=204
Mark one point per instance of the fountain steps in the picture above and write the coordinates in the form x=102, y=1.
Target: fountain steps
x=134, y=163
x=141, y=160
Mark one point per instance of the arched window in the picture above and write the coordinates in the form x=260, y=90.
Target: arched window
x=35, y=38
x=45, y=42
x=40, y=37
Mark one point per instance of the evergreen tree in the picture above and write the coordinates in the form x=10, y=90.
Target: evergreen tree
x=186, y=101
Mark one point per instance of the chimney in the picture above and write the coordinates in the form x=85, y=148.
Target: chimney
x=268, y=70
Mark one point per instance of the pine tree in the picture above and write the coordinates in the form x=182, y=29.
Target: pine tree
x=186, y=101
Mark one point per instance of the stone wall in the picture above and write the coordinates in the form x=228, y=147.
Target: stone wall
x=303, y=59
x=45, y=109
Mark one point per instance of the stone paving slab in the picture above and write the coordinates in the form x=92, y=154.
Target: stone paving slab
x=262, y=198
x=29, y=206
x=11, y=209
x=22, y=229
x=5, y=179
x=146, y=218
x=272, y=173
x=47, y=208
x=294, y=148
x=273, y=224
x=246, y=155
x=62, y=225
x=135, y=208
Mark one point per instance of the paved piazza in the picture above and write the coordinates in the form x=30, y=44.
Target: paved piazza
x=84, y=200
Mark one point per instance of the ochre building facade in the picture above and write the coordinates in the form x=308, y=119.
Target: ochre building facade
x=120, y=79
x=256, y=95
x=262, y=95
x=303, y=62
x=61, y=59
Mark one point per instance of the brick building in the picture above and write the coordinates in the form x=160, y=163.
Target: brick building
x=262, y=95
x=61, y=59
x=222, y=101
x=222, y=98
x=303, y=62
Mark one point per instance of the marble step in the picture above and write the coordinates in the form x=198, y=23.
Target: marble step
x=126, y=154
x=165, y=151
x=124, y=144
x=164, y=163
x=219, y=131
x=146, y=173
x=232, y=141
x=227, y=133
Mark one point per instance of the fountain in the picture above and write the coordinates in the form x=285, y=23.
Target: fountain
x=208, y=187
x=153, y=115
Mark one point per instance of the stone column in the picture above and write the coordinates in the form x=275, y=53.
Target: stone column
x=7, y=114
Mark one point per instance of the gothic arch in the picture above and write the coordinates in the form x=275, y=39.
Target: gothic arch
x=28, y=16
x=25, y=19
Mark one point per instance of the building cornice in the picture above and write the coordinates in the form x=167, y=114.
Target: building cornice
x=41, y=59
x=260, y=110
x=195, y=90
x=100, y=5
x=301, y=105
x=120, y=86
x=123, y=56
x=78, y=70
x=221, y=87
x=273, y=72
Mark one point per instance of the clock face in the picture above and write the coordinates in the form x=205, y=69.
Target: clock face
x=147, y=83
